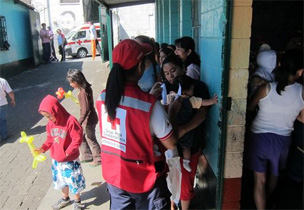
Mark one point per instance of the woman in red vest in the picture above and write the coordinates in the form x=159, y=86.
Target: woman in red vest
x=134, y=129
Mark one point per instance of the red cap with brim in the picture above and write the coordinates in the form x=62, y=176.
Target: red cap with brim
x=128, y=53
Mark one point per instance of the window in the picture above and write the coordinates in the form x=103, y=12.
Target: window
x=4, y=45
x=80, y=35
x=98, y=33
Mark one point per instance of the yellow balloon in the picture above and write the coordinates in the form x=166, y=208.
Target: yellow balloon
x=69, y=95
x=29, y=140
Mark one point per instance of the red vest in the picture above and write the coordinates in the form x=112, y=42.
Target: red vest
x=127, y=146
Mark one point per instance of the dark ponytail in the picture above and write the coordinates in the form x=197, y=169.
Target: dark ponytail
x=115, y=88
x=291, y=62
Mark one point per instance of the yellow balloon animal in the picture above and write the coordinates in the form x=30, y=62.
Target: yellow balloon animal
x=61, y=92
x=29, y=140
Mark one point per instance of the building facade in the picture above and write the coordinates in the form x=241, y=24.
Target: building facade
x=16, y=37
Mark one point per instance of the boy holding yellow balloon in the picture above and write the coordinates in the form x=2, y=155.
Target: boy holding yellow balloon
x=64, y=136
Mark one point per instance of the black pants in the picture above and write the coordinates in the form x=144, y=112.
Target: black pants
x=98, y=46
x=46, y=52
x=62, y=52
x=53, y=49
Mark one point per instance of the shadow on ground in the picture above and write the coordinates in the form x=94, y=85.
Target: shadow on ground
x=30, y=87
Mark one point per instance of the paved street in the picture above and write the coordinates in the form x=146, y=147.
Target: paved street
x=22, y=187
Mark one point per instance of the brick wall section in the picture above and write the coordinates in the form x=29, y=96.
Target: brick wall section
x=240, y=47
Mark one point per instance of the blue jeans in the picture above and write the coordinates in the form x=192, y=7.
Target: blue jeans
x=3, y=127
x=157, y=198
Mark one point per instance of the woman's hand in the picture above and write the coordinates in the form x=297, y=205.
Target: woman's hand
x=170, y=97
x=156, y=90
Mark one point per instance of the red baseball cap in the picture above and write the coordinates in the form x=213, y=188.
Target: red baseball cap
x=129, y=53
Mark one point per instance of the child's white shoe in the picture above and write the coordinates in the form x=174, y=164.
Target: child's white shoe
x=186, y=164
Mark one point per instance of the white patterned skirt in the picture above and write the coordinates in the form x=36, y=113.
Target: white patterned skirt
x=68, y=174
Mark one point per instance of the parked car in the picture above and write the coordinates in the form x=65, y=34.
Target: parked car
x=79, y=41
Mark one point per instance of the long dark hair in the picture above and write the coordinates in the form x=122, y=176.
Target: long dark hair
x=177, y=61
x=166, y=50
x=115, y=87
x=188, y=43
x=172, y=58
x=185, y=81
x=75, y=75
x=291, y=62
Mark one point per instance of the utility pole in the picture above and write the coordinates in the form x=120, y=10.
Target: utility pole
x=49, y=13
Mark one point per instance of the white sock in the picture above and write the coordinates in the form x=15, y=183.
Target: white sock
x=186, y=165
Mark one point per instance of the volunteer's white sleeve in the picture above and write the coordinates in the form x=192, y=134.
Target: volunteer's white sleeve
x=160, y=125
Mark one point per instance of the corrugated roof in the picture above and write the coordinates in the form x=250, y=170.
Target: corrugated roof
x=123, y=3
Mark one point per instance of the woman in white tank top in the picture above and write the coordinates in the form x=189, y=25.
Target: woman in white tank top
x=280, y=104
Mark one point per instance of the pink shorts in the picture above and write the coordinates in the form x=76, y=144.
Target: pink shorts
x=187, y=191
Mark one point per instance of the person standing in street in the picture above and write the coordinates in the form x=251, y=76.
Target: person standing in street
x=94, y=40
x=53, y=52
x=61, y=43
x=45, y=38
x=5, y=88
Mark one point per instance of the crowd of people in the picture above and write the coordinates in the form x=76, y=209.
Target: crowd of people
x=275, y=110
x=154, y=102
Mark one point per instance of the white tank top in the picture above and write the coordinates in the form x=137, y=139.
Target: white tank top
x=277, y=113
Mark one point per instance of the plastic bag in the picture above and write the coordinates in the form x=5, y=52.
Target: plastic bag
x=174, y=177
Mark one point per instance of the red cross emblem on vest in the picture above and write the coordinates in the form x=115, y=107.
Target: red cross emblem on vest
x=115, y=122
x=79, y=42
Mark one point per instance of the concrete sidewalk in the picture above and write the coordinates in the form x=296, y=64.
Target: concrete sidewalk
x=21, y=186
x=95, y=195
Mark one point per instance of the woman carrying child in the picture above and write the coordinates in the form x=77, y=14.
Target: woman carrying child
x=188, y=106
x=173, y=67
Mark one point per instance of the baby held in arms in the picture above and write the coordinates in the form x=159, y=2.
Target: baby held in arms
x=188, y=105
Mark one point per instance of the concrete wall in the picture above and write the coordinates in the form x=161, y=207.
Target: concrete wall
x=239, y=64
x=18, y=32
x=141, y=21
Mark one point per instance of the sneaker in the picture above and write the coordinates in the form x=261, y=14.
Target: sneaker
x=186, y=165
x=61, y=203
x=78, y=206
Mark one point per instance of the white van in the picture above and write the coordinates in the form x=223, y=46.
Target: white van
x=79, y=41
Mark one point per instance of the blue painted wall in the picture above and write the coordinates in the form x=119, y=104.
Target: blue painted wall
x=185, y=28
x=18, y=32
x=213, y=23
x=212, y=17
x=173, y=20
